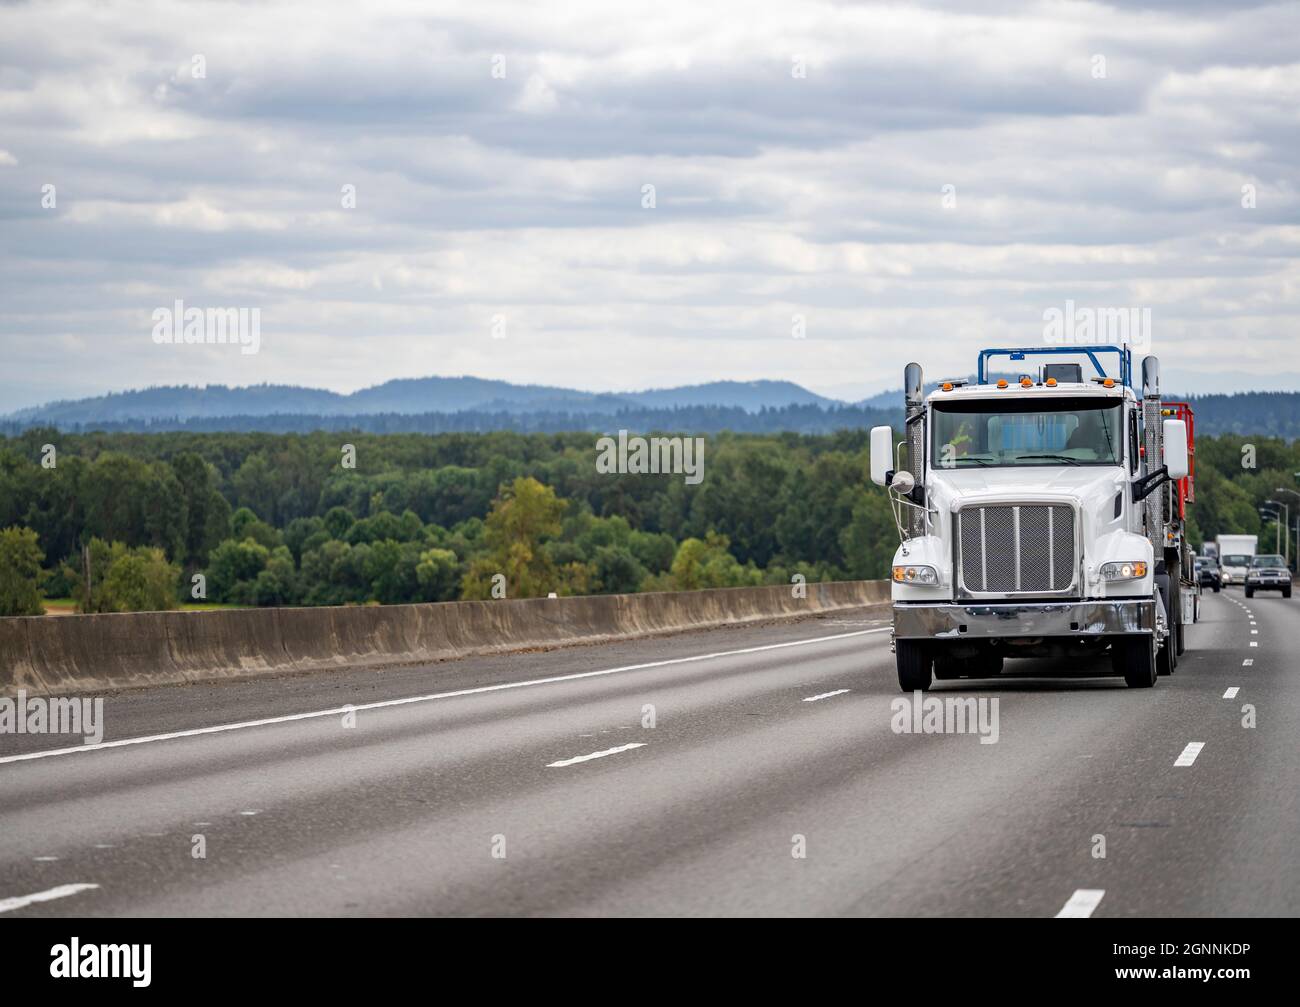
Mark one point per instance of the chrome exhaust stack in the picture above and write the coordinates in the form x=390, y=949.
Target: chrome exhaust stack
x=914, y=437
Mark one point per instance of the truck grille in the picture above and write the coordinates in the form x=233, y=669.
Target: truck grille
x=1017, y=550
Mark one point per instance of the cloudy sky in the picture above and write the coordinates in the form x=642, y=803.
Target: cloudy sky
x=1116, y=155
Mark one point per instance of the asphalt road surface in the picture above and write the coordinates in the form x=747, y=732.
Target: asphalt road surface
x=771, y=782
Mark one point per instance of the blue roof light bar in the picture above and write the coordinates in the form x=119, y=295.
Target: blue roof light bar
x=1123, y=353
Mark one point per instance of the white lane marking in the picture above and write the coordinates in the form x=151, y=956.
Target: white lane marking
x=1254, y=643
x=1248, y=662
x=382, y=704
x=1081, y=904
x=62, y=892
x=825, y=695
x=594, y=755
x=1254, y=632
x=45, y=860
x=1231, y=693
x=1190, y=753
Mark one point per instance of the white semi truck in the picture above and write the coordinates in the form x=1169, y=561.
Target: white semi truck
x=1235, y=554
x=1041, y=515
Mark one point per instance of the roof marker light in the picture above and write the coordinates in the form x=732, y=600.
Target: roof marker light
x=1002, y=382
x=1026, y=382
x=1109, y=383
x=1051, y=382
x=947, y=386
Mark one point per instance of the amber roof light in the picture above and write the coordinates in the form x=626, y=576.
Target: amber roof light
x=1002, y=382
x=1051, y=382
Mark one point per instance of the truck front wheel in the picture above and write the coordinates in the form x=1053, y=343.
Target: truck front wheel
x=915, y=664
x=1134, y=657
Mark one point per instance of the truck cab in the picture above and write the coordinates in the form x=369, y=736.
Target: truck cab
x=1031, y=522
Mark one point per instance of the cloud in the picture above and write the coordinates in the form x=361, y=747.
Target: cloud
x=799, y=157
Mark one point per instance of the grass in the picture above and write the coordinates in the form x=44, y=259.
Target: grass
x=67, y=606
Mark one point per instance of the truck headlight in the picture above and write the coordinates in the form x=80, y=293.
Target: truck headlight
x=1124, y=570
x=915, y=575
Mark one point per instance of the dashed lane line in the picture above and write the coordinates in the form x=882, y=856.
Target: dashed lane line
x=594, y=755
x=1082, y=904
x=1189, y=753
x=339, y=711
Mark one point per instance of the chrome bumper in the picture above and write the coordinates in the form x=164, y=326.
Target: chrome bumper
x=926, y=621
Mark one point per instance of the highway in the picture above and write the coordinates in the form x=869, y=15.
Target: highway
x=531, y=784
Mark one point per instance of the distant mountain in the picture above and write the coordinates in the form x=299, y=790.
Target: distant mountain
x=748, y=395
x=436, y=404
x=406, y=396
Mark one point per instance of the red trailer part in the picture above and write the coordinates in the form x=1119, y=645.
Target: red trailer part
x=1187, y=486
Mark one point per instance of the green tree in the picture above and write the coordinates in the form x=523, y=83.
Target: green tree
x=871, y=538
x=705, y=563
x=438, y=573
x=141, y=580
x=207, y=514
x=20, y=571
x=523, y=518
x=617, y=571
x=233, y=564
x=123, y=579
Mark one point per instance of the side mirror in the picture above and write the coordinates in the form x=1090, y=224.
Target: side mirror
x=1175, y=435
x=882, y=453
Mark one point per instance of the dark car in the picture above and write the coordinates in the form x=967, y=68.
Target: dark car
x=1268, y=573
x=1208, y=573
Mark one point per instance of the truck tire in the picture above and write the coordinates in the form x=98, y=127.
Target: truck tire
x=915, y=663
x=1286, y=592
x=946, y=668
x=1134, y=657
x=1167, y=655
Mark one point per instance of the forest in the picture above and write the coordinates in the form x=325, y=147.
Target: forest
x=128, y=521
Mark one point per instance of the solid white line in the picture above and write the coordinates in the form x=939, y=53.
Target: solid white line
x=1081, y=904
x=62, y=892
x=338, y=711
x=1190, y=753
x=826, y=695
x=1231, y=693
x=594, y=755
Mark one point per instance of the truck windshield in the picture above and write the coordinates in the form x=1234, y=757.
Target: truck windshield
x=1027, y=431
x=1241, y=560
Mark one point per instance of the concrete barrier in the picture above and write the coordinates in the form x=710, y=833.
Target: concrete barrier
x=46, y=655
